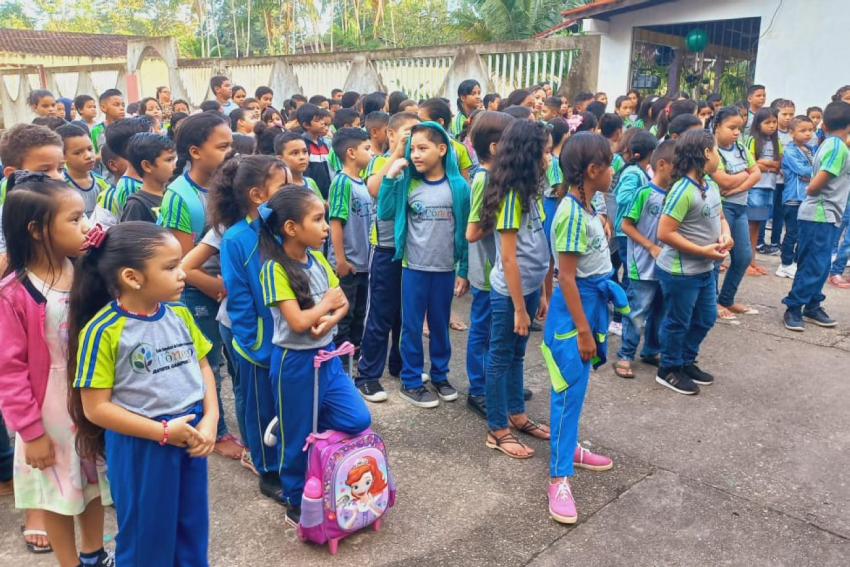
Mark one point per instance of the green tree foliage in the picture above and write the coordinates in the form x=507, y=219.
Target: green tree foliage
x=12, y=16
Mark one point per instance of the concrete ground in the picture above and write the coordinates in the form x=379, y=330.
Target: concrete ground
x=751, y=472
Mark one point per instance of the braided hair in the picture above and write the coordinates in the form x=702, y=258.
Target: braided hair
x=579, y=152
x=690, y=155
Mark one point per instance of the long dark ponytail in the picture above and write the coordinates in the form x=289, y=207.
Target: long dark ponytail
x=127, y=245
x=288, y=204
x=194, y=131
x=690, y=154
x=230, y=186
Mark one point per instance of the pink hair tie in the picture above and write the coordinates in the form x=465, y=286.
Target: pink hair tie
x=574, y=122
x=94, y=238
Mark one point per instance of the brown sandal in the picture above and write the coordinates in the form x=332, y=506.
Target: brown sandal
x=507, y=439
x=529, y=427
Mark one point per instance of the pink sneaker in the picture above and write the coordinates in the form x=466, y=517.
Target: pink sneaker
x=584, y=459
x=562, y=507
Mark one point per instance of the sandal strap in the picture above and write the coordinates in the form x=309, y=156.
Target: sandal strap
x=529, y=426
x=507, y=439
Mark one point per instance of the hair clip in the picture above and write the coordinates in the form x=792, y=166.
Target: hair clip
x=94, y=237
x=574, y=122
x=27, y=176
x=667, y=110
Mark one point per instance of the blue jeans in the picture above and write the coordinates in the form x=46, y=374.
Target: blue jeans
x=478, y=342
x=789, y=243
x=204, y=309
x=740, y=255
x=813, y=254
x=843, y=252
x=505, y=365
x=647, y=312
x=690, y=311
x=7, y=453
x=235, y=378
x=778, y=215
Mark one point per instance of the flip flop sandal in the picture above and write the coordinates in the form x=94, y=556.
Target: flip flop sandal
x=31, y=547
x=529, y=427
x=225, y=438
x=459, y=326
x=651, y=360
x=623, y=371
x=751, y=271
x=839, y=282
x=748, y=311
x=507, y=439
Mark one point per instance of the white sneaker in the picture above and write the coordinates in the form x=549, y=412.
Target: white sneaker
x=784, y=271
x=615, y=328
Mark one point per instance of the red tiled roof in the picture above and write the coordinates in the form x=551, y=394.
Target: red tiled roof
x=599, y=7
x=37, y=42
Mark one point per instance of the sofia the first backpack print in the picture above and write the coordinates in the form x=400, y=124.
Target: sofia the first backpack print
x=348, y=485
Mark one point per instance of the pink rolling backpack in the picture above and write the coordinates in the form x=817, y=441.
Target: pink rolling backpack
x=349, y=485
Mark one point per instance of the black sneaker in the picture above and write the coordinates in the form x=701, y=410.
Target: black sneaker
x=445, y=390
x=677, y=381
x=372, y=391
x=763, y=249
x=773, y=249
x=478, y=404
x=527, y=394
x=794, y=322
x=819, y=317
x=696, y=374
x=293, y=515
x=270, y=487
x=106, y=559
x=419, y=396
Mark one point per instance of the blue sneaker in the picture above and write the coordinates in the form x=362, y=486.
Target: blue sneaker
x=794, y=322
x=819, y=317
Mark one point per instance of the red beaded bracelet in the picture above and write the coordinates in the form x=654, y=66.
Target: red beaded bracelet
x=164, y=433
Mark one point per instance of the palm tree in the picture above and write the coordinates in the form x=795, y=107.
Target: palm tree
x=500, y=20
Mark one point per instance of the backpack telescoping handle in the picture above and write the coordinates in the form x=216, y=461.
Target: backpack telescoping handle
x=324, y=356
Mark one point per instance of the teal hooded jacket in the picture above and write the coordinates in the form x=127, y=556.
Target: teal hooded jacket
x=393, y=194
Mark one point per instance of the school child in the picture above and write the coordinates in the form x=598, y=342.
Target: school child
x=611, y=127
x=79, y=166
x=110, y=203
x=820, y=213
x=202, y=141
x=265, y=138
x=438, y=111
x=376, y=127
x=763, y=142
x=238, y=94
x=345, y=118
x=705, y=112
x=220, y=87
x=242, y=121
x=624, y=108
x=559, y=130
x=656, y=110
x=114, y=165
x=265, y=95
x=482, y=256
x=310, y=118
x=42, y=103
x=797, y=167
x=350, y=213
x=735, y=175
x=575, y=331
x=640, y=225
x=491, y=101
x=306, y=302
x=428, y=198
x=45, y=228
x=512, y=207
x=468, y=99
x=121, y=309
x=154, y=157
x=682, y=124
x=292, y=149
x=383, y=316
x=815, y=114
x=551, y=109
x=785, y=110
x=756, y=99
x=86, y=110
x=111, y=103
x=695, y=235
x=150, y=107
x=240, y=185
x=581, y=100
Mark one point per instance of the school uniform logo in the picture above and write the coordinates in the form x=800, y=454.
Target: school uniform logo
x=422, y=212
x=655, y=209
x=598, y=243
x=146, y=359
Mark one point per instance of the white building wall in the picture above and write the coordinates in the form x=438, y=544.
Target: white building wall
x=803, y=56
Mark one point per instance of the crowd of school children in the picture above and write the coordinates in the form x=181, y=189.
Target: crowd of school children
x=147, y=246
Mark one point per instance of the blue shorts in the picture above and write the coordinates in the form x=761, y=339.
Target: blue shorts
x=759, y=202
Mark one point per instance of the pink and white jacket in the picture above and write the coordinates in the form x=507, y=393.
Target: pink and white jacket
x=24, y=356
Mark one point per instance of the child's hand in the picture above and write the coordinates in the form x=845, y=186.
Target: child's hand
x=542, y=308
x=321, y=327
x=586, y=345
x=655, y=251
x=401, y=146
x=39, y=453
x=714, y=252
x=334, y=298
x=521, y=323
x=202, y=446
x=725, y=241
x=343, y=268
x=461, y=286
x=223, y=293
x=181, y=434
x=396, y=168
